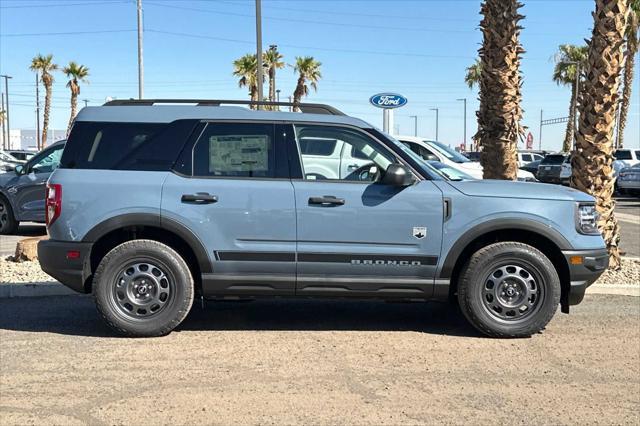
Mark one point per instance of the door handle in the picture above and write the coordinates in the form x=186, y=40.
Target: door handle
x=352, y=166
x=326, y=200
x=199, y=198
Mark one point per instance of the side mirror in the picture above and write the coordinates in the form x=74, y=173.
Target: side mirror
x=397, y=175
x=19, y=169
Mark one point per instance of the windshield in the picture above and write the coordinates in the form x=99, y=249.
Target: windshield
x=553, y=159
x=449, y=172
x=7, y=157
x=451, y=154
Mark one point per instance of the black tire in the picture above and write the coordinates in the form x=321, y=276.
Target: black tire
x=140, y=265
x=8, y=223
x=501, y=276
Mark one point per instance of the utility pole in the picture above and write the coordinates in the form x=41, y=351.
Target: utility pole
x=278, y=95
x=37, y=112
x=140, y=60
x=259, y=48
x=86, y=101
x=436, y=110
x=415, y=124
x=6, y=110
x=540, y=133
x=465, y=121
x=4, y=123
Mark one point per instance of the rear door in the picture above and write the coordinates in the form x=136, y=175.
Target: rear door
x=357, y=237
x=231, y=188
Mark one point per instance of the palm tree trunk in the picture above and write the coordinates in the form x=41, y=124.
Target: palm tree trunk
x=626, y=96
x=569, y=134
x=297, y=94
x=74, y=109
x=500, y=112
x=45, y=117
x=592, y=170
x=272, y=84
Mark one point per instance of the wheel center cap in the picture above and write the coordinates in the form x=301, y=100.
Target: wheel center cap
x=510, y=292
x=142, y=289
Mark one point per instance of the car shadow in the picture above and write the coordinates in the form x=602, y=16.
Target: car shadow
x=77, y=316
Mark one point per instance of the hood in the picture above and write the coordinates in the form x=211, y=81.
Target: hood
x=510, y=189
x=474, y=168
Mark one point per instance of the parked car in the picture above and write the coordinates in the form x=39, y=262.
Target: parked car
x=22, y=155
x=433, y=150
x=526, y=157
x=154, y=205
x=22, y=191
x=555, y=168
x=629, y=180
x=628, y=157
x=472, y=155
x=8, y=162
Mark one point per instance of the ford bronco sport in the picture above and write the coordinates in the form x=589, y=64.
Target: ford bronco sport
x=155, y=204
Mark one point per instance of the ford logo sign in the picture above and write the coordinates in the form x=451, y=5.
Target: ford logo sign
x=388, y=100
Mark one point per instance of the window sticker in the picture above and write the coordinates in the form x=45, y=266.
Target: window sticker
x=242, y=153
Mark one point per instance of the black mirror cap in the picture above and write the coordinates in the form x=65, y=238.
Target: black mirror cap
x=18, y=169
x=397, y=175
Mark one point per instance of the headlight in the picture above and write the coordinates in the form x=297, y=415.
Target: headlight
x=587, y=219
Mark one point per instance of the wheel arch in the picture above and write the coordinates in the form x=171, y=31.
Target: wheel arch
x=116, y=230
x=549, y=241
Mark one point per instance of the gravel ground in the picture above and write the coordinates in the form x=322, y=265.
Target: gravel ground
x=318, y=362
x=30, y=272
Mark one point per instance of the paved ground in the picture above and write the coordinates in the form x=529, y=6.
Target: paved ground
x=628, y=213
x=301, y=362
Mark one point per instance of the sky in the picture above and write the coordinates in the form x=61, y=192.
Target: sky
x=417, y=48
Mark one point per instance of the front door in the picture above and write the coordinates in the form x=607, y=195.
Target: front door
x=232, y=190
x=358, y=237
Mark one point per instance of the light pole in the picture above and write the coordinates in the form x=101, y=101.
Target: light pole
x=465, y=121
x=415, y=124
x=140, y=61
x=6, y=118
x=259, y=48
x=436, y=110
x=86, y=101
x=278, y=95
x=37, y=112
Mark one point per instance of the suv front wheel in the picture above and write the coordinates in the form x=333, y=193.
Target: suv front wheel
x=509, y=289
x=143, y=288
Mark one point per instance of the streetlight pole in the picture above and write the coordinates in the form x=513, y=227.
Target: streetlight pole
x=6, y=118
x=540, y=133
x=415, y=124
x=436, y=110
x=86, y=102
x=140, y=59
x=278, y=95
x=465, y=121
x=259, y=48
x=4, y=123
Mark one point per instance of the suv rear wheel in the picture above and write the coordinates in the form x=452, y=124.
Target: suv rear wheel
x=143, y=288
x=509, y=289
x=8, y=223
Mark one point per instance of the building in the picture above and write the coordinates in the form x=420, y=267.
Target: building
x=25, y=139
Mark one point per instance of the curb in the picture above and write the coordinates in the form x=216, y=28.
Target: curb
x=48, y=289
x=34, y=290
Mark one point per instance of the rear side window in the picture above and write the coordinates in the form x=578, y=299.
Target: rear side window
x=125, y=146
x=623, y=154
x=235, y=150
x=323, y=147
x=553, y=159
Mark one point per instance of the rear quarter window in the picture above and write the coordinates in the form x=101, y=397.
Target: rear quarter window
x=125, y=146
x=622, y=154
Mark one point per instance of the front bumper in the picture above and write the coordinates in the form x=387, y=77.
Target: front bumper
x=585, y=267
x=71, y=269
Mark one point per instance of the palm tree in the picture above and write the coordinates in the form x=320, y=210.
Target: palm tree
x=472, y=77
x=44, y=65
x=592, y=160
x=567, y=59
x=500, y=95
x=308, y=70
x=273, y=61
x=76, y=74
x=246, y=68
x=631, y=41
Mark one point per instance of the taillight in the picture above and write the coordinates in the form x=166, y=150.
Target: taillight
x=53, y=198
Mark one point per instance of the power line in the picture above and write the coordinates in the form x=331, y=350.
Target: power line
x=64, y=33
x=92, y=3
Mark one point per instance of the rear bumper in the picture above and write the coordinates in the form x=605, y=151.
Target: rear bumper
x=71, y=271
x=592, y=264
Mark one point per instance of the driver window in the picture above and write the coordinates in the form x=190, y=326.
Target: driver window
x=361, y=158
x=48, y=163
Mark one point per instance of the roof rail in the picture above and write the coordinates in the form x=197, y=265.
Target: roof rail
x=304, y=107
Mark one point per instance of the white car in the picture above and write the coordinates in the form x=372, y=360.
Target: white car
x=432, y=150
x=525, y=157
x=627, y=157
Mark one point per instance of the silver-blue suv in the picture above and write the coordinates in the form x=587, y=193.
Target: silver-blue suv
x=154, y=205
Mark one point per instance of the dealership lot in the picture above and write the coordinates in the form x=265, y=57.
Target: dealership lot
x=322, y=362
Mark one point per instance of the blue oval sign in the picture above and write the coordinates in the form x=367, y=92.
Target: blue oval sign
x=388, y=100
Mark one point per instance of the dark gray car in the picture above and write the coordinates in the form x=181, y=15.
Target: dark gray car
x=22, y=191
